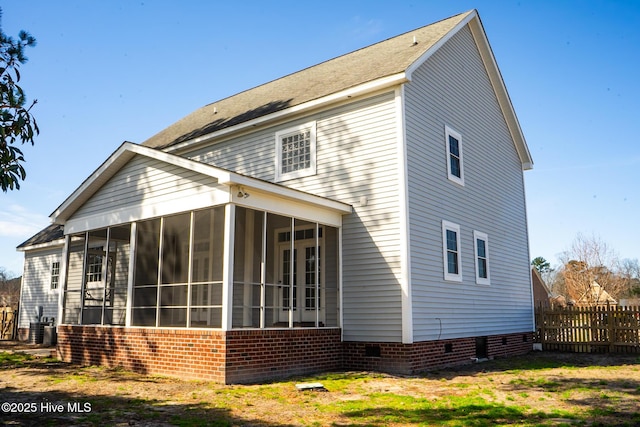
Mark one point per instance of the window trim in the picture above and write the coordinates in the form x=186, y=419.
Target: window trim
x=447, y=133
x=478, y=235
x=54, y=285
x=450, y=226
x=311, y=170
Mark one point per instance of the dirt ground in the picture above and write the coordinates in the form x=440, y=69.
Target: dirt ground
x=573, y=389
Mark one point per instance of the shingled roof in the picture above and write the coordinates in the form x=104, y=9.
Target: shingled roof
x=50, y=234
x=387, y=58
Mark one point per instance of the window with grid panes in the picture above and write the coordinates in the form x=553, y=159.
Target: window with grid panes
x=55, y=274
x=296, y=152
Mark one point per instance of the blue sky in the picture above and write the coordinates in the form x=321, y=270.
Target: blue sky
x=110, y=71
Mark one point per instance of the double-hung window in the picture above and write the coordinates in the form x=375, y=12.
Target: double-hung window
x=453, y=141
x=296, y=152
x=451, y=251
x=55, y=274
x=481, y=247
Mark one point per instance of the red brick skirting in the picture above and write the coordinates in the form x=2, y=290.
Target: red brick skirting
x=261, y=354
x=408, y=359
x=228, y=357
x=255, y=355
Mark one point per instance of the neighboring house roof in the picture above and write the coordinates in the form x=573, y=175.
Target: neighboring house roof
x=535, y=274
x=541, y=292
x=53, y=234
x=596, y=295
x=387, y=63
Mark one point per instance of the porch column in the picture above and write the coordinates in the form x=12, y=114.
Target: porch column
x=132, y=267
x=227, y=267
x=62, y=281
x=247, y=300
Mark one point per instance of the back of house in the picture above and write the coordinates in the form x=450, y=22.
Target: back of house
x=367, y=212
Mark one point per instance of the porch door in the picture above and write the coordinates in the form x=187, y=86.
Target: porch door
x=302, y=285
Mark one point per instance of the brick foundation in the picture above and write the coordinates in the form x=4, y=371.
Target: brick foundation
x=261, y=354
x=228, y=357
x=408, y=359
x=255, y=355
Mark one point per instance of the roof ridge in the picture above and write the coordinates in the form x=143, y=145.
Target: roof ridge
x=367, y=64
x=336, y=57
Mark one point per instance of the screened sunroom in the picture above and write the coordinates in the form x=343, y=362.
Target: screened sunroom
x=268, y=257
x=174, y=271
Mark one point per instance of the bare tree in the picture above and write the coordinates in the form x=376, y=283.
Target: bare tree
x=590, y=262
x=630, y=272
x=9, y=289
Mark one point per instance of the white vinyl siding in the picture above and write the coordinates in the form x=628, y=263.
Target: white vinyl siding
x=356, y=159
x=36, y=285
x=452, y=88
x=160, y=189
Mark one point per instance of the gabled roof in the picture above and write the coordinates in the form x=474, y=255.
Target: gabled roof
x=371, y=63
x=128, y=150
x=381, y=65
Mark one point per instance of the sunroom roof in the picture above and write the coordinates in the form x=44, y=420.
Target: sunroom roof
x=128, y=150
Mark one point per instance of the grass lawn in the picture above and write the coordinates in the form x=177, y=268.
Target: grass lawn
x=540, y=389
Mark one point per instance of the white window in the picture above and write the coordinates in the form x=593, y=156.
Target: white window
x=55, y=274
x=296, y=152
x=451, y=251
x=453, y=141
x=94, y=265
x=481, y=247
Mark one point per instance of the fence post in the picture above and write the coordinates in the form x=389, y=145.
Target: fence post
x=14, y=335
x=611, y=327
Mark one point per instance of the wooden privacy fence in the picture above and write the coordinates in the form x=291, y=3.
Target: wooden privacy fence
x=8, y=323
x=607, y=329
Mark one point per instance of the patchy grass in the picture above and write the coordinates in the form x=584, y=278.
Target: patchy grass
x=540, y=389
x=9, y=360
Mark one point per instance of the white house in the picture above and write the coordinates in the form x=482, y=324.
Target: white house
x=364, y=213
x=40, y=278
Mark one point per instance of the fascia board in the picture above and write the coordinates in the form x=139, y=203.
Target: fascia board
x=360, y=90
x=47, y=245
x=491, y=66
x=92, y=183
x=433, y=49
x=110, y=167
x=500, y=90
x=286, y=192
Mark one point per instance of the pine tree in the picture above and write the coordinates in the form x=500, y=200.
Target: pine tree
x=17, y=124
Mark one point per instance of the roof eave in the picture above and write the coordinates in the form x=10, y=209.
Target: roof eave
x=353, y=92
x=434, y=48
x=491, y=66
x=47, y=245
x=233, y=178
x=473, y=20
x=119, y=158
